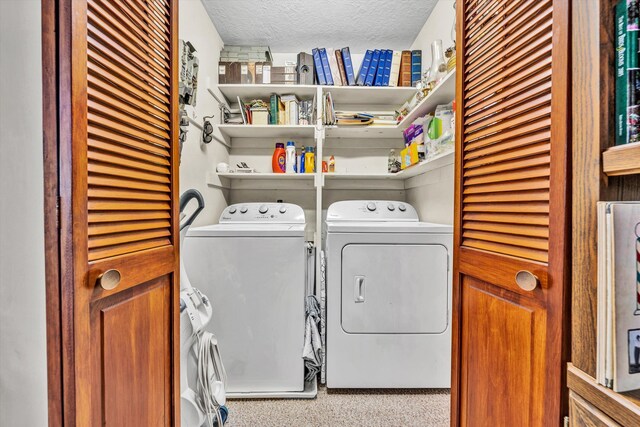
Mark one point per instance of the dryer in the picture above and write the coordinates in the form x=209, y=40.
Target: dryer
x=388, y=296
x=252, y=265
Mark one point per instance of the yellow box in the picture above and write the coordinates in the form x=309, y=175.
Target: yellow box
x=409, y=156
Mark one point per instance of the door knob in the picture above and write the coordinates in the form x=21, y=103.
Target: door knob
x=526, y=280
x=109, y=279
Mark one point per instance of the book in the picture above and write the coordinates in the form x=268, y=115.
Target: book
x=405, y=68
x=394, y=75
x=305, y=69
x=618, y=339
x=319, y=68
x=274, y=104
x=325, y=66
x=387, y=68
x=627, y=83
x=416, y=66
x=348, y=66
x=290, y=109
x=373, y=68
x=333, y=65
x=364, y=68
x=341, y=70
x=243, y=111
x=379, y=79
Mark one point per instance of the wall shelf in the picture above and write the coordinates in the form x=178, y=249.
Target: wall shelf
x=622, y=160
x=382, y=132
x=260, y=181
x=444, y=93
x=267, y=131
x=370, y=95
x=261, y=91
x=624, y=408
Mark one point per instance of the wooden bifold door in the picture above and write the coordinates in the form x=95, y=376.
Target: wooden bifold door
x=112, y=139
x=512, y=214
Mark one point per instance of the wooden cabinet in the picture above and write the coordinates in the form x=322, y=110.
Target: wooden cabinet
x=600, y=172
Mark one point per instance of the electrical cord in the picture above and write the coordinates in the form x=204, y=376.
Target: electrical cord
x=211, y=377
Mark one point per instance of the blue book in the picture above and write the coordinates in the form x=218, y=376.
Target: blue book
x=380, y=71
x=325, y=66
x=371, y=74
x=387, y=68
x=416, y=66
x=348, y=66
x=364, y=68
x=318, y=63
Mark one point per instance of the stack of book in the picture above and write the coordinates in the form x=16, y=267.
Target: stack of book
x=379, y=67
x=627, y=72
x=279, y=110
x=618, y=315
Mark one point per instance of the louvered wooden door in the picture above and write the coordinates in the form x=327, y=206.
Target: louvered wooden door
x=512, y=180
x=118, y=185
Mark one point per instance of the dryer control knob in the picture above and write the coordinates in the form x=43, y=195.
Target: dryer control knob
x=391, y=207
x=263, y=209
x=243, y=209
x=283, y=209
x=232, y=210
x=371, y=207
x=402, y=207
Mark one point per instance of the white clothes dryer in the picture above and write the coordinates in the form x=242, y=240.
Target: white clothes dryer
x=388, y=297
x=252, y=265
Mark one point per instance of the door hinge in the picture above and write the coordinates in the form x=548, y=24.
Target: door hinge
x=566, y=421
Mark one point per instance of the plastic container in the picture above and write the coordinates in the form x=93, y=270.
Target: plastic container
x=309, y=161
x=279, y=158
x=290, y=166
x=301, y=165
x=332, y=164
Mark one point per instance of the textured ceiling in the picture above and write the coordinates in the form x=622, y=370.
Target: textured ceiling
x=299, y=25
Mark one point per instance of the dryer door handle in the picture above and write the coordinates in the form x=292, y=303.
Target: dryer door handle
x=358, y=289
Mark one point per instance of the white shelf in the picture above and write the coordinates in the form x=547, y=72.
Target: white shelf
x=267, y=131
x=388, y=132
x=385, y=180
x=260, y=91
x=444, y=93
x=371, y=95
x=260, y=181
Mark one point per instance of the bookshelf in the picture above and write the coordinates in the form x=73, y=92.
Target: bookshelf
x=601, y=172
x=443, y=93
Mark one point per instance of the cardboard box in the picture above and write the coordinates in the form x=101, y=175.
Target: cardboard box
x=409, y=156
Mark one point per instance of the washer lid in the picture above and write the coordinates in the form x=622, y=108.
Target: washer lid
x=248, y=230
x=388, y=227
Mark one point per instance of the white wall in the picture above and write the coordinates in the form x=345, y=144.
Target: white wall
x=433, y=198
x=23, y=392
x=199, y=158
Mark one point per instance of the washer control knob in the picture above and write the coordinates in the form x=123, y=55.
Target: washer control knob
x=402, y=207
x=232, y=210
x=263, y=209
x=371, y=206
x=243, y=209
x=391, y=207
x=283, y=209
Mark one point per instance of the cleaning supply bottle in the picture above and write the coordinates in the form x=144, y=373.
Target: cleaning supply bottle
x=332, y=164
x=279, y=159
x=309, y=161
x=291, y=157
x=301, y=165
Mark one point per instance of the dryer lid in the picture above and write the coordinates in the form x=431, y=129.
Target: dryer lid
x=371, y=211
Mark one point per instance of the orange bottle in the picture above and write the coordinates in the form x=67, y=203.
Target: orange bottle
x=279, y=159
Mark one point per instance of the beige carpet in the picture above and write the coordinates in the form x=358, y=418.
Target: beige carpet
x=419, y=408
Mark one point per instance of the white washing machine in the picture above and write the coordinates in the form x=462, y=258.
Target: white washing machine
x=388, y=297
x=252, y=265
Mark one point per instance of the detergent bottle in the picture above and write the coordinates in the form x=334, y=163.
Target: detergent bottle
x=309, y=161
x=291, y=157
x=279, y=158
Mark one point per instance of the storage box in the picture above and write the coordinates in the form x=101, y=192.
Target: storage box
x=409, y=156
x=259, y=116
x=228, y=72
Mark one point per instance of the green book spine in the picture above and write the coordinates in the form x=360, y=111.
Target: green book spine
x=627, y=109
x=273, y=111
x=621, y=73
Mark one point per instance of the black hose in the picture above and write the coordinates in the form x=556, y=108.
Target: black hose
x=186, y=197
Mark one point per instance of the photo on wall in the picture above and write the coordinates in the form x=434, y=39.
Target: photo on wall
x=634, y=351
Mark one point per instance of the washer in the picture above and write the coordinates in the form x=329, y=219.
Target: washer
x=388, y=297
x=252, y=265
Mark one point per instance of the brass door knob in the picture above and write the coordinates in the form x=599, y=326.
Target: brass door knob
x=526, y=280
x=109, y=280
